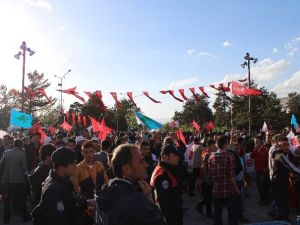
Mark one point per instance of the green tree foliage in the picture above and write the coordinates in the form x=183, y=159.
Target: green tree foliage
x=118, y=119
x=37, y=103
x=122, y=119
x=50, y=116
x=222, y=110
x=294, y=104
x=265, y=107
x=8, y=101
x=194, y=110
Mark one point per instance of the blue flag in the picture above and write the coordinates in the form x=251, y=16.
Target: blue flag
x=148, y=122
x=19, y=119
x=294, y=121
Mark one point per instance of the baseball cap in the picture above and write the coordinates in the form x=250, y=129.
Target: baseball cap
x=63, y=157
x=168, y=149
x=79, y=139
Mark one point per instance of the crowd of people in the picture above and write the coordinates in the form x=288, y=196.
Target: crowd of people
x=138, y=178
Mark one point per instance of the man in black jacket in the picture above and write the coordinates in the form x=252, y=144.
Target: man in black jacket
x=39, y=174
x=59, y=203
x=280, y=179
x=167, y=189
x=126, y=200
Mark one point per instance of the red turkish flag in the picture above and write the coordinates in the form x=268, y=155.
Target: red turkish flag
x=209, y=125
x=238, y=89
x=88, y=93
x=96, y=125
x=29, y=91
x=114, y=95
x=42, y=91
x=196, y=125
x=73, y=118
x=66, y=126
x=181, y=91
x=84, y=121
x=79, y=97
x=105, y=130
x=148, y=96
x=194, y=94
x=69, y=91
x=203, y=92
x=79, y=119
x=37, y=128
x=99, y=97
x=180, y=136
x=171, y=92
x=52, y=130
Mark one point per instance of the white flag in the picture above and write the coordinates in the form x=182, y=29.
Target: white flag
x=264, y=127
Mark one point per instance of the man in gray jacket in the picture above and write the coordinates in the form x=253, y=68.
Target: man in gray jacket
x=14, y=169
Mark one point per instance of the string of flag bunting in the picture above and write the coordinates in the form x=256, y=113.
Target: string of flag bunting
x=233, y=86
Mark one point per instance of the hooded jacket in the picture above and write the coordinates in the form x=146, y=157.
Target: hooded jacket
x=120, y=203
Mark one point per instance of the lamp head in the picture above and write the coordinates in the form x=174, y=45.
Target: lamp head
x=17, y=56
x=243, y=65
x=255, y=60
x=247, y=56
x=23, y=46
x=31, y=52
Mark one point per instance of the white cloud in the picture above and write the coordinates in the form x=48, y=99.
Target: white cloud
x=37, y=3
x=293, y=51
x=289, y=85
x=206, y=54
x=275, y=50
x=181, y=83
x=190, y=51
x=266, y=69
x=227, y=44
x=231, y=77
x=293, y=46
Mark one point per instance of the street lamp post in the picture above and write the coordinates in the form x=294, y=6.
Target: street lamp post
x=61, y=85
x=22, y=53
x=247, y=59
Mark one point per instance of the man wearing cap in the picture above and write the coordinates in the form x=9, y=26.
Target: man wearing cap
x=59, y=203
x=167, y=190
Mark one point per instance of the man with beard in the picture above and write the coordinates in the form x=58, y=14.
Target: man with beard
x=149, y=157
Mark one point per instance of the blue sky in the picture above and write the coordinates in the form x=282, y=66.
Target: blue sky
x=151, y=45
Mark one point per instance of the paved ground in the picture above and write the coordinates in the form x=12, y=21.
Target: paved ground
x=254, y=212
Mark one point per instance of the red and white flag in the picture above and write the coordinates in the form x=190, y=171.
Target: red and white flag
x=66, y=126
x=181, y=137
x=148, y=96
x=196, y=126
x=238, y=89
x=114, y=95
